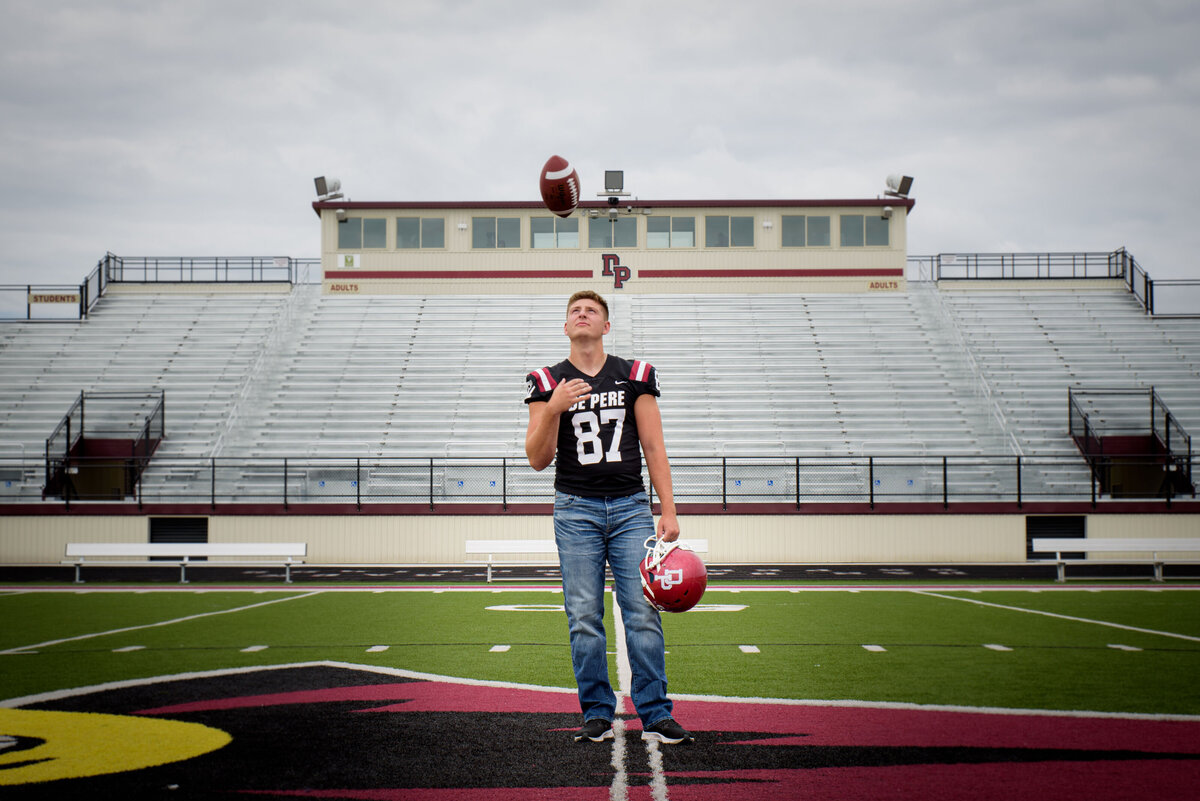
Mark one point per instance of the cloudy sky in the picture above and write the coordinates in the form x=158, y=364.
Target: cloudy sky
x=196, y=128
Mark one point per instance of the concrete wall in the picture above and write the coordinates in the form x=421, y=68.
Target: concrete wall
x=752, y=539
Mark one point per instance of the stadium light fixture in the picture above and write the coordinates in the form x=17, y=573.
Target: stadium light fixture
x=327, y=188
x=614, y=187
x=898, y=185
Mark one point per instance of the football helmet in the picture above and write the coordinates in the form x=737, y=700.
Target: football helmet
x=673, y=576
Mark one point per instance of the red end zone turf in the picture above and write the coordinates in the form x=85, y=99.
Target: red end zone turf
x=351, y=732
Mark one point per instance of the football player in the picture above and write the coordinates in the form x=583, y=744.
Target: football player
x=594, y=415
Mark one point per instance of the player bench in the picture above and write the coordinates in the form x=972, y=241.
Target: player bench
x=528, y=547
x=182, y=554
x=1156, y=547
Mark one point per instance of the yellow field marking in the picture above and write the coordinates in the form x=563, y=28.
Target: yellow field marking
x=76, y=744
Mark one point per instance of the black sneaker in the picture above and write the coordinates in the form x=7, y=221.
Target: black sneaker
x=597, y=730
x=669, y=732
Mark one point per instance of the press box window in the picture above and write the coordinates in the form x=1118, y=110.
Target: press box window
x=864, y=230
x=420, y=232
x=554, y=232
x=798, y=231
x=721, y=232
x=618, y=233
x=358, y=232
x=670, y=232
x=495, y=232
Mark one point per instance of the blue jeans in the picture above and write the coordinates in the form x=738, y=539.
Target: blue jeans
x=590, y=532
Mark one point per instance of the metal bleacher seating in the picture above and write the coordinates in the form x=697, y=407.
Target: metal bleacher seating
x=820, y=374
x=412, y=376
x=308, y=376
x=395, y=376
x=1033, y=345
x=200, y=349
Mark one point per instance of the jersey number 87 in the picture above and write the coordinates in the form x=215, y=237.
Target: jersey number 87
x=588, y=445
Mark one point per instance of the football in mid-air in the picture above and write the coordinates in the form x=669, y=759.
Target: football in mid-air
x=560, y=186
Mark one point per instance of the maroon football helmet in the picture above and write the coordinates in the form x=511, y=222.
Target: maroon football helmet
x=673, y=576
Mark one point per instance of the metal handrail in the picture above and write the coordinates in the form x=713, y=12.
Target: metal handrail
x=204, y=269
x=1005, y=266
x=799, y=482
x=1156, y=423
x=1118, y=264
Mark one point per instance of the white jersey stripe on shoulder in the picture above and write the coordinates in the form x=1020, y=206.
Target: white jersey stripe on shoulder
x=640, y=370
x=545, y=381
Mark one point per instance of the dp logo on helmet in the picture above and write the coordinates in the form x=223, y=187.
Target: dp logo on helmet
x=673, y=576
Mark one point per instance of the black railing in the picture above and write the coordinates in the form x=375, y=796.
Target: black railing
x=65, y=303
x=1172, y=297
x=138, y=419
x=71, y=303
x=52, y=302
x=1023, y=266
x=1136, y=279
x=205, y=269
x=1130, y=438
x=64, y=438
x=152, y=432
x=800, y=483
x=1181, y=297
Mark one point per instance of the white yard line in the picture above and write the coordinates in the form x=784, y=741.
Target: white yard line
x=1072, y=618
x=624, y=671
x=49, y=643
x=619, y=790
x=58, y=695
x=658, y=777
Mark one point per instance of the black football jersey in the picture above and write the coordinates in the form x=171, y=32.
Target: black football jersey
x=599, y=453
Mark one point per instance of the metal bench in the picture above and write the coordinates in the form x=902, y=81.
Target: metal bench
x=182, y=554
x=1156, y=547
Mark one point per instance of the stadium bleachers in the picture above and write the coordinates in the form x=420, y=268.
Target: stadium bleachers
x=1033, y=345
x=201, y=349
x=923, y=372
x=820, y=374
x=396, y=376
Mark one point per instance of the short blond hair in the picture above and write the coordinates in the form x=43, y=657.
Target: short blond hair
x=587, y=294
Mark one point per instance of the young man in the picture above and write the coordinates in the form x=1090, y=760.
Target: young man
x=598, y=414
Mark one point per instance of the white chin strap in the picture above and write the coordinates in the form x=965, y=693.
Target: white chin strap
x=656, y=551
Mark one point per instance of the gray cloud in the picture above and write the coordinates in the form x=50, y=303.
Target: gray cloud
x=196, y=128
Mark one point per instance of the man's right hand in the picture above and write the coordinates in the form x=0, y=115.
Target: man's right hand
x=567, y=394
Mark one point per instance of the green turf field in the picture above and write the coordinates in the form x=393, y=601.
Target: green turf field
x=1084, y=648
